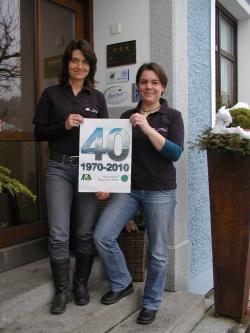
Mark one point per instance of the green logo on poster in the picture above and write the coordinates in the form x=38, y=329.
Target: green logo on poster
x=86, y=177
x=124, y=178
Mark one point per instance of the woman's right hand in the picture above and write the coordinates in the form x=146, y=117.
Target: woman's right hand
x=73, y=120
x=102, y=195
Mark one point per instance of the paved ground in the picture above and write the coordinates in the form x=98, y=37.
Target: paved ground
x=214, y=324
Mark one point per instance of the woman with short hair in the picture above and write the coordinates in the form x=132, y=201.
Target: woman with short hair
x=158, y=135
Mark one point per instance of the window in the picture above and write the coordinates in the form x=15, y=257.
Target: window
x=226, y=58
x=17, y=100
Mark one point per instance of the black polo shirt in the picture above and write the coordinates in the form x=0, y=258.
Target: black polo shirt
x=54, y=107
x=150, y=169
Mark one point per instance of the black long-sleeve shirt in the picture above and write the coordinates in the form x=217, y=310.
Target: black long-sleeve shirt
x=54, y=107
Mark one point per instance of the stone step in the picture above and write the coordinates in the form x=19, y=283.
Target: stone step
x=179, y=313
x=29, y=287
x=25, y=306
x=93, y=317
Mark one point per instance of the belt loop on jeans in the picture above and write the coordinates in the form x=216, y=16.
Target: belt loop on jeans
x=66, y=159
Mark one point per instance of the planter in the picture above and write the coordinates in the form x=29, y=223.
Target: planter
x=229, y=187
x=133, y=247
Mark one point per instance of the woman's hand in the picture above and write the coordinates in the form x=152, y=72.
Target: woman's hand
x=102, y=195
x=140, y=120
x=156, y=138
x=131, y=226
x=73, y=120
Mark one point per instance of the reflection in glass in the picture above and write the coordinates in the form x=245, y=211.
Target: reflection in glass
x=19, y=157
x=10, y=64
x=16, y=67
x=226, y=36
x=226, y=81
x=58, y=29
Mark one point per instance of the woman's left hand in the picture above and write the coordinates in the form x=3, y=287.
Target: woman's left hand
x=156, y=138
x=102, y=195
x=140, y=120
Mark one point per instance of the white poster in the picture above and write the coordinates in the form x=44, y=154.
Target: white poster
x=105, y=155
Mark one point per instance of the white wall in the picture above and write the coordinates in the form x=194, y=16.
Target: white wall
x=133, y=16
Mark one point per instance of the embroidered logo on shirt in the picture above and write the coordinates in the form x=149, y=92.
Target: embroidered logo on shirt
x=93, y=110
x=161, y=129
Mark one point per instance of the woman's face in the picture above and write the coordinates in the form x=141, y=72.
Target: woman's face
x=78, y=66
x=150, y=87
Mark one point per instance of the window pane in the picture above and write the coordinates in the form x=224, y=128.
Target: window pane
x=226, y=81
x=226, y=36
x=20, y=158
x=16, y=66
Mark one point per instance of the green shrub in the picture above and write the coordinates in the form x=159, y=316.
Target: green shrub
x=12, y=185
x=241, y=117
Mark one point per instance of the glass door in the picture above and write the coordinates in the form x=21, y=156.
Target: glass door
x=42, y=28
x=18, y=215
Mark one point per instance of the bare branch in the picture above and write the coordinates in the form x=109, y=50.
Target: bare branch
x=10, y=53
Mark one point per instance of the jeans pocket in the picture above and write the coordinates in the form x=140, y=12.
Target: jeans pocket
x=167, y=195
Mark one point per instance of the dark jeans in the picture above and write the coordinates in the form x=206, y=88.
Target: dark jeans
x=61, y=189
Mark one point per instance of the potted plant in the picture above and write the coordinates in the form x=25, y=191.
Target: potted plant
x=12, y=187
x=228, y=154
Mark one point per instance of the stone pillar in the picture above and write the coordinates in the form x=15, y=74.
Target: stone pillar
x=168, y=47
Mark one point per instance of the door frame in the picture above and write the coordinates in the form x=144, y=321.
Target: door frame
x=17, y=235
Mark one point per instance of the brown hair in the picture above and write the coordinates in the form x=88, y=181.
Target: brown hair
x=159, y=71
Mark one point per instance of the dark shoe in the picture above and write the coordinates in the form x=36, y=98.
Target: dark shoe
x=60, y=272
x=112, y=297
x=146, y=316
x=84, y=264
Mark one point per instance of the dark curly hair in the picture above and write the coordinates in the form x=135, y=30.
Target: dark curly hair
x=159, y=71
x=89, y=54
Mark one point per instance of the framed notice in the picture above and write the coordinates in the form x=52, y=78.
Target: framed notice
x=52, y=66
x=105, y=155
x=121, y=53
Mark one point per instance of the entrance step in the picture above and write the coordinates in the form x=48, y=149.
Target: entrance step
x=179, y=313
x=28, y=310
x=29, y=287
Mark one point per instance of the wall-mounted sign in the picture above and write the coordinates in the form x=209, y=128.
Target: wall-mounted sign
x=119, y=75
x=135, y=93
x=121, y=53
x=115, y=95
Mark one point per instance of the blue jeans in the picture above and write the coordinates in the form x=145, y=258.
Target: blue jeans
x=61, y=189
x=158, y=207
